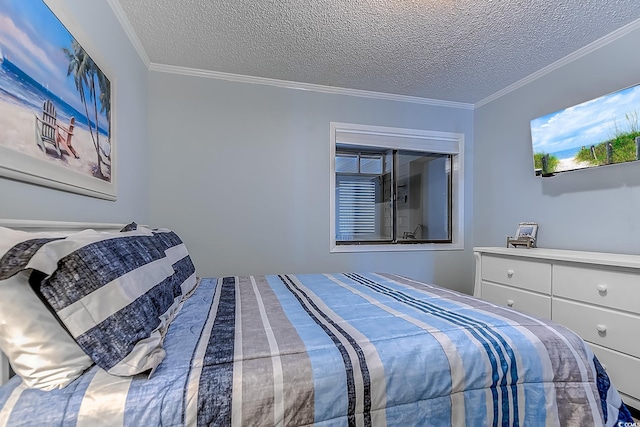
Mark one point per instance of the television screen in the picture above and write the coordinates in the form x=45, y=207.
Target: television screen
x=602, y=131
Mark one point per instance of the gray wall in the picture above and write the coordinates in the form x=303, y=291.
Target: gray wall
x=594, y=209
x=101, y=30
x=241, y=172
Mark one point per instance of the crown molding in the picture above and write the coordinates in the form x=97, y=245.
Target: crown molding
x=186, y=71
x=591, y=47
x=128, y=29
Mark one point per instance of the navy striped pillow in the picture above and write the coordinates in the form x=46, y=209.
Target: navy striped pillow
x=116, y=293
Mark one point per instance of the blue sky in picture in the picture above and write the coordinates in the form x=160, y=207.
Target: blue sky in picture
x=32, y=38
x=586, y=124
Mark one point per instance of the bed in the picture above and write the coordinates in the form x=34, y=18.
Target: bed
x=356, y=348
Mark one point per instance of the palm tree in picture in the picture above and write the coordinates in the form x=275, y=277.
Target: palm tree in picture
x=105, y=105
x=85, y=74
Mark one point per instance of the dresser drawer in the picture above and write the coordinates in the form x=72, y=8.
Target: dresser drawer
x=601, y=326
x=530, y=275
x=528, y=302
x=616, y=289
x=622, y=370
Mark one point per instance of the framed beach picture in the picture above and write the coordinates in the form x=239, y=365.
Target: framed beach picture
x=597, y=132
x=55, y=104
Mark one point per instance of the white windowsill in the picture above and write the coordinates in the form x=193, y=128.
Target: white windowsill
x=417, y=247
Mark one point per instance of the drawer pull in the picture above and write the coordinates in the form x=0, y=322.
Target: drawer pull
x=510, y=273
x=601, y=328
x=510, y=302
x=602, y=289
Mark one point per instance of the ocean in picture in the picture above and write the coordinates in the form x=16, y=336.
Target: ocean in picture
x=569, y=153
x=17, y=87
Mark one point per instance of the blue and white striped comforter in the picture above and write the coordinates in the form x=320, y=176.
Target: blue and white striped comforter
x=340, y=349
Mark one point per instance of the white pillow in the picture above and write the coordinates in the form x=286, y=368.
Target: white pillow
x=40, y=351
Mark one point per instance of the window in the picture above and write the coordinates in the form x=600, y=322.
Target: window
x=395, y=189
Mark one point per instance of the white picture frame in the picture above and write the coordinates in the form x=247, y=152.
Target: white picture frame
x=88, y=167
x=527, y=230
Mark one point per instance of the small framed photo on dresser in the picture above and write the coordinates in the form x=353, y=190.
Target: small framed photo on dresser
x=525, y=236
x=527, y=230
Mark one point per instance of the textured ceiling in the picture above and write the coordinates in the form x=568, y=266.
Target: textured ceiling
x=451, y=50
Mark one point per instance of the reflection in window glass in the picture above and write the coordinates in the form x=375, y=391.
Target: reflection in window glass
x=347, y=163
x=371, y=164
x=423, y=208
x=392, y=196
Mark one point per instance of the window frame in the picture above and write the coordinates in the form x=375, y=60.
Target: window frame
x=400, y=139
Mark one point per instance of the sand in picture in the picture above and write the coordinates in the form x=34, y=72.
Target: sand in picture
x=18, y=133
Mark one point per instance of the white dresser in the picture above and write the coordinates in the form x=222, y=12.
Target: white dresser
x=597, y=295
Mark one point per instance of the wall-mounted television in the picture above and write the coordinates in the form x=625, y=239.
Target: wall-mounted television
x=602, y=131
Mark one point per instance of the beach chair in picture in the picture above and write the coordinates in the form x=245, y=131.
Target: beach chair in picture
x=48, y=129
x=52, y=132
x=66, y=138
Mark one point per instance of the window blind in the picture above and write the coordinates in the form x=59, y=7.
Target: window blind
x=356, y=207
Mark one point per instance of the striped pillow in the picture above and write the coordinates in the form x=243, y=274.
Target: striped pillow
x=116, y=293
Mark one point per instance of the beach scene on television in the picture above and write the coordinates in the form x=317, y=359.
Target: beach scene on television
x=55, y=102
x=602, y=131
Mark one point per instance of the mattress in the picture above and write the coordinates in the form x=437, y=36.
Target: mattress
x=346, y=349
